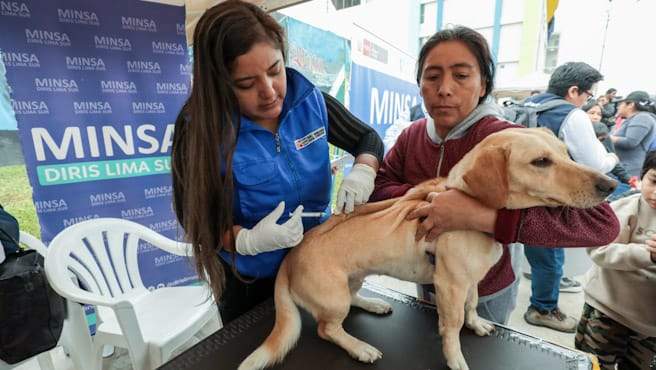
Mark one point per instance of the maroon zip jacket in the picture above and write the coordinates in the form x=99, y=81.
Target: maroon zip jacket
x=414, y=158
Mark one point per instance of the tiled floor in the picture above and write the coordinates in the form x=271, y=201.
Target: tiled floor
x=570, y=303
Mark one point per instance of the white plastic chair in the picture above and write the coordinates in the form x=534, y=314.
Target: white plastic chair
x=102, y=254
x=44, y=359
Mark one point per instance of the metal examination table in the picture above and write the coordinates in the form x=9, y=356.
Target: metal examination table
x=408, y=339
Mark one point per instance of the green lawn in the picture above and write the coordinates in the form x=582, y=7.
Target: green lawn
x=16, y=198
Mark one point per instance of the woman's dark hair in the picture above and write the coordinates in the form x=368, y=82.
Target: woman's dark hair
x=649, y=163
x=207, y=128
x=590, y=105
x=578, y=74
x=474, y=41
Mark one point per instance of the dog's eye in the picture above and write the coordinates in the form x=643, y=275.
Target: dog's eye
x=541, y=162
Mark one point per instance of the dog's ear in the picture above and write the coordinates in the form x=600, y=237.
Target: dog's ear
x=487, y=178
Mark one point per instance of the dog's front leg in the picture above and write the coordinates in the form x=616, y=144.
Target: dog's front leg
x=451, y=297
x=472, y=320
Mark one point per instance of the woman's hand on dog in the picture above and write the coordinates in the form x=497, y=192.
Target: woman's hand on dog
x=452, y=210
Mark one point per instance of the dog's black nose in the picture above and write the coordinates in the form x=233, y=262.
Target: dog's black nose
x=605, y=185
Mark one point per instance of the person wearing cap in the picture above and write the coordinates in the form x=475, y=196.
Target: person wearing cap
x=633, y=138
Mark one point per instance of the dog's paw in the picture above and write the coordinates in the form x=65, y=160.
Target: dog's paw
x=373, y=305
x=457, y=363
x=379, y=306
x=366, y=353
x=481, y=327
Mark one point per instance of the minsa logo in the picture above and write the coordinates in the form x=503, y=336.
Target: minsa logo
x=112, y=43
x=164, y=225
x=136, y=213
x=45, y=37
x=30, y=107
x=101, y=199
x=138, y=24
x=55, y=85
x=173, y=48
x=53, y=205
x=14, y=9
x=78, y=16
x=74, y=220
x=118, y=87
x=172, y=88
x=158, y=192
x=144, y=247
x=180, y=28
x=147, y=107
x=92, y=107
x=85, y=64
x=143, y=66
x=185, y=69
x=166, y=259
x=11, y=59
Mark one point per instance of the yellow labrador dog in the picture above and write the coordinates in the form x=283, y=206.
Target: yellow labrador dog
x=513, y=168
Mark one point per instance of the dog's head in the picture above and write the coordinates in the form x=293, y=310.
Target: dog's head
x=521, y=168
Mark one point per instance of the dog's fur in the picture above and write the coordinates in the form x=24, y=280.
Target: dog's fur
x=514, y=168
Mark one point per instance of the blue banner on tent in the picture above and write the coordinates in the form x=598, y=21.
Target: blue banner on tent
x=96, y=87
x=380, y=99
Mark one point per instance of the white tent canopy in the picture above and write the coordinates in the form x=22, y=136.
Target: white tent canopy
x=194, y=9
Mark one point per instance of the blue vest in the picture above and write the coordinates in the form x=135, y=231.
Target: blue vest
x=552, y=118
x=292, y=165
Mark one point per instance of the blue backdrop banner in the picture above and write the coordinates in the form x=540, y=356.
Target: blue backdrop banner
x=380, y=99
x=96, y=87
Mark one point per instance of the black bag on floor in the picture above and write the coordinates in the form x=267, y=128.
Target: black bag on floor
x=9, y=233
x=31, y=312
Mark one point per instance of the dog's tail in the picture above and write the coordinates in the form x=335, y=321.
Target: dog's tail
x=285, y=332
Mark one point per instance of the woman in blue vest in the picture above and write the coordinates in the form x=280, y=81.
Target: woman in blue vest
x=250, y=154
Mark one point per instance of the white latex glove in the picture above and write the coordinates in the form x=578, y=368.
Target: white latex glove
x=356, y=188
x=267, y=235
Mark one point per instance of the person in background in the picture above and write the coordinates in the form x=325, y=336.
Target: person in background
x=618, y=323
x=250, y=154
x=601, y=130
x=608, y=103
x=455, y=74
x=633, y=139
x=594, y=111
x=574, y=83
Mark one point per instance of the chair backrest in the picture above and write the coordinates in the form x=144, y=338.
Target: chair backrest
x=33, y=243
x=103, y=254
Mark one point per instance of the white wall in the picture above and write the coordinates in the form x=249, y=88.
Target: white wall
x=459, y=12
x=630, y=52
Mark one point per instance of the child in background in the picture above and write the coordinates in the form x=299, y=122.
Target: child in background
x=618, y=323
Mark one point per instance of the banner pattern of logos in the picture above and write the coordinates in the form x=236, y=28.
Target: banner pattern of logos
x=95, y=88
x=380, y=99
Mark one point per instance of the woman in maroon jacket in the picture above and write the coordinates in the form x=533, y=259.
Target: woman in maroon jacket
x=455, y=74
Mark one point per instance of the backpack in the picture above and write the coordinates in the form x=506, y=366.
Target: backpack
x=526, y=113
x=9, y=233
x=31, y=313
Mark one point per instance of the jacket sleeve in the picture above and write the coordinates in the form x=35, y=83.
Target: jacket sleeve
x=558, y=226
x=582, y=143
x=346, y=131
x=388, y=181
x=635, y=133
x=622, y=254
